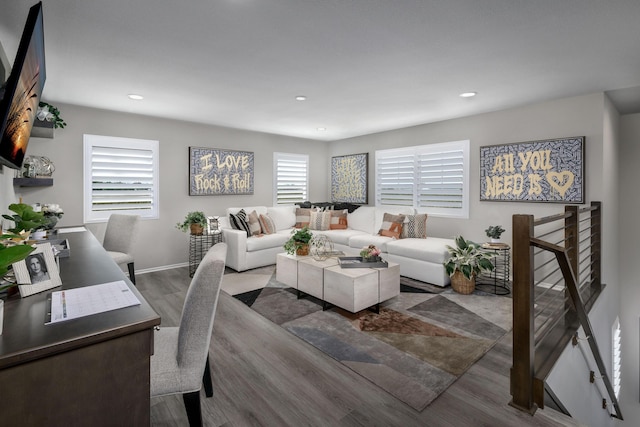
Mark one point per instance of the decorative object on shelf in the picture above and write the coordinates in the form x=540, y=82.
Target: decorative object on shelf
x=298, y=243
x=466, y=261
x=38, y=167
x=52, y=213
x=193, y=221
x=49, y=113
x=25, y=218
x=370, y=254
x=494, y=232
x=321, y=247
x=213, y=225
x=349, y=178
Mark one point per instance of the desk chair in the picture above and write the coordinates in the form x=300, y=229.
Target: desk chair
x=118, y=239
x=180, y=361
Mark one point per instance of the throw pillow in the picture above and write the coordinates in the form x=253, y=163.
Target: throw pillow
x=254, y=224
x=320, y=220
x=415, y=227
x=267, y=225
x=239, y=221
x=391, y=225
x=303, y=217
x=338, y=220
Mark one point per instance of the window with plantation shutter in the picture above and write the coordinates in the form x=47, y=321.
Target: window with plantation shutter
x=120, y=176
x=290, y=178
x=432, y=178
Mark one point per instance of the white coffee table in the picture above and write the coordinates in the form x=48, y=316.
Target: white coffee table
x=352, y=289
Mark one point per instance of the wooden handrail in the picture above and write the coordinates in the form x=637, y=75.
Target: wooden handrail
x=529, y=370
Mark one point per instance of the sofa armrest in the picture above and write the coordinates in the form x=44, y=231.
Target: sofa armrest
x=236, y=241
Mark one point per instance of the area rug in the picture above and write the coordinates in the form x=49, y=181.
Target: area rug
x=417, y=346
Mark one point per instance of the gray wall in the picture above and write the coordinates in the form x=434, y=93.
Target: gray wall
x=592, y=116
x=629, y=254
x=159, y=243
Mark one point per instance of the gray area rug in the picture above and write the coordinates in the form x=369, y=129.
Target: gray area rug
x=417, y=346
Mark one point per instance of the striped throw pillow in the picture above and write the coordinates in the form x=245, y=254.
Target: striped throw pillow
x=239, y=221
x=415, y=227
x=267, y=225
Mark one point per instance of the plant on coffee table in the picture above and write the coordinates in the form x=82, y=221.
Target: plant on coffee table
x=298, y=243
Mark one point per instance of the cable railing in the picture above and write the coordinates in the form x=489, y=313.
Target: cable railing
x=556, y=280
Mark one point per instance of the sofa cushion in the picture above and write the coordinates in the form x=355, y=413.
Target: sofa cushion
x=340, y=237
x=266, y=241
x=284, y=217
x=431, y=249
x=239, y=221
x=303, y=217
x=363, y=219
x=363, y=240
x=267, y=225
x=320, y=220
x=339, y=220
x=254, y=224
x=391, y=225
x=415, y=226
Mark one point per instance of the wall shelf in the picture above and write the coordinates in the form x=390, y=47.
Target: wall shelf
x=33, y=182
x=42, y=129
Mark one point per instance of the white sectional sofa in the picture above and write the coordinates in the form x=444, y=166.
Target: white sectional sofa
x=419, y=258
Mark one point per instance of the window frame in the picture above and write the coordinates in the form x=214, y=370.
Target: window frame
x=413, y=170
x=277, y=158
x=112, y=142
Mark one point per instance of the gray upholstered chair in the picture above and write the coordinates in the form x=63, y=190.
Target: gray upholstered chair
x=118, y=240
x=180, y=362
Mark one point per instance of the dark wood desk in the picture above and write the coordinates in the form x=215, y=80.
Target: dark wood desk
x=88, y=371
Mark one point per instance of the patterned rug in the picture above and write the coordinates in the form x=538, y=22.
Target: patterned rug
x=418, y=345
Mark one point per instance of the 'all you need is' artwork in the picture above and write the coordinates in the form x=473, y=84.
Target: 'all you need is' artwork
x=537, y=171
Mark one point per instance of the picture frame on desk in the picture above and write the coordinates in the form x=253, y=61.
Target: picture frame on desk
x=38, y=272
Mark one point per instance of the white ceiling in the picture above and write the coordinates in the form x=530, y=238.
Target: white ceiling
x=365, y=65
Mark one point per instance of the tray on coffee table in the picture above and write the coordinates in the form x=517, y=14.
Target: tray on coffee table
x=357, y=262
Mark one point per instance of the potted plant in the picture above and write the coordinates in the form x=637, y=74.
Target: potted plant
x=193, y=221
x=494, y=232
x=25, y=219
x=466, y=261
x=49, y=113
x=298, y=243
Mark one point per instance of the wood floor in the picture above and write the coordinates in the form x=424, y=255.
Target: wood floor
x=265, y=376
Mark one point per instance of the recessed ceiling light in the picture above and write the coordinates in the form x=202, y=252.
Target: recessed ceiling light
x=321, y=129
x=468, y=94
x=135, y=97
x=301, y=98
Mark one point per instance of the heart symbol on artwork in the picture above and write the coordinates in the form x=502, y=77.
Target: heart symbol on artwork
x=560, y=181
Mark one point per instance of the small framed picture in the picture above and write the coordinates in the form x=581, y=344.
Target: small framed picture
x=38, y=272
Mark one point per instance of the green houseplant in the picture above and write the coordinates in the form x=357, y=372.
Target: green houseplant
x=466, y=261
x=193, y=221
x=25, y=218
x=49, y=113
x=494, y=232
x=10, y=255
x=298, y=243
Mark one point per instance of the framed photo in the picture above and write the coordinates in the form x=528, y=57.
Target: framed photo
x=550, y=171
x=38, y=272
x=349, y=178
x=214, y=172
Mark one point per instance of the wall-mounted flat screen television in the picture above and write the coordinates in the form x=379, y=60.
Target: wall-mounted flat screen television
x=22, y=91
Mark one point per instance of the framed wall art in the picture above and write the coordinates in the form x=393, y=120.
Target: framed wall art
x=37, y=272
x=349, y=178
x=214, y=172
x=550, y=171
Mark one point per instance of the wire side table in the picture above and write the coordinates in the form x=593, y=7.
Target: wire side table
x=499, y=278
x=198, y=247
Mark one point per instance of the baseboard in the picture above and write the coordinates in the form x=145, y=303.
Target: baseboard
x=162, y=268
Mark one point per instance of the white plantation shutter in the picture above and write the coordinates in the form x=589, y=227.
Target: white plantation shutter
x=120, y=177
x=432, y=178
x=290, y=178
